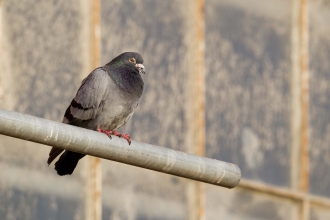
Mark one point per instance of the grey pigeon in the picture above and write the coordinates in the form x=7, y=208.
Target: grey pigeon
x=105, y=101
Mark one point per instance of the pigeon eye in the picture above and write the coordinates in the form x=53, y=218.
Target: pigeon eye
x=132, y=60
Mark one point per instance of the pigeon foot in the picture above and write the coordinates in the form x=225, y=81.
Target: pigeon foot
x=126, y=137
x=110, y=132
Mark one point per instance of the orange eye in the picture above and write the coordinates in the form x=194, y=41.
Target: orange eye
x=132, y=60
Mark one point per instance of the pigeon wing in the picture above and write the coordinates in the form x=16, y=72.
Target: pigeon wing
x=87, y=104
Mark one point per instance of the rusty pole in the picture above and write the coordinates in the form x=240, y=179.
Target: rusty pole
x=304, y=151
x=304, y=176
x=300, y=102
x=196, y=111
x=93, y=200
x=200, y=85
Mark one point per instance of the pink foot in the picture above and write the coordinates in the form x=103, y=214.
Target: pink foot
x=126, y=137
x=109, y=133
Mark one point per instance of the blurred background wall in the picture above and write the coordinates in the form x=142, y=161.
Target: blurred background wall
x=261, y=67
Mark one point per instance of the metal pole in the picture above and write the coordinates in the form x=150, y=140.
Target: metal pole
x=196, y=104
x=143, y=155
x=295, y=95
x=300, y=97
x=304, y=176
x=304, y=151
x=93, y=171
x=300, y=102
x=285, y=193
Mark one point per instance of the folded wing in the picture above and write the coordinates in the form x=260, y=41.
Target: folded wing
x=87, y=104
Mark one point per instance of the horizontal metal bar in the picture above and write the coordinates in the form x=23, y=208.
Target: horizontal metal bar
x=137, y=154
x=271, y=189
x=286, y=193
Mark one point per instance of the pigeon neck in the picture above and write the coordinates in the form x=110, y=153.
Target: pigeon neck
x=127, y=78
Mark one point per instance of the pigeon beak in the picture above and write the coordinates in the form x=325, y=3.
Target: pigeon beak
x=141, y=68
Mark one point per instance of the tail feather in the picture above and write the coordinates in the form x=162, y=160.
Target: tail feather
x=53, y=154
x=67, y=163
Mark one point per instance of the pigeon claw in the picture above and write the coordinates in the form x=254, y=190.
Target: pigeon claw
x=127, y=138
x=109, y=133
x=116, y=133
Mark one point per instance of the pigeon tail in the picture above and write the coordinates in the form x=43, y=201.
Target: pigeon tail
x=67, y=163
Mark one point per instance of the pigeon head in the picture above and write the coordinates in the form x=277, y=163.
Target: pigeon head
x=126, y=70
x=130, y=61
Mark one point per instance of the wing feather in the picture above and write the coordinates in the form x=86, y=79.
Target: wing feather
x=87, y=104
x=89, y=100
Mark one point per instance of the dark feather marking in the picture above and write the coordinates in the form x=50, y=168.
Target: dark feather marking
x=79, y=106
x=68, y=114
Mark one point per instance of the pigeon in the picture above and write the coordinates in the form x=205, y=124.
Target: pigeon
x=105, y=101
